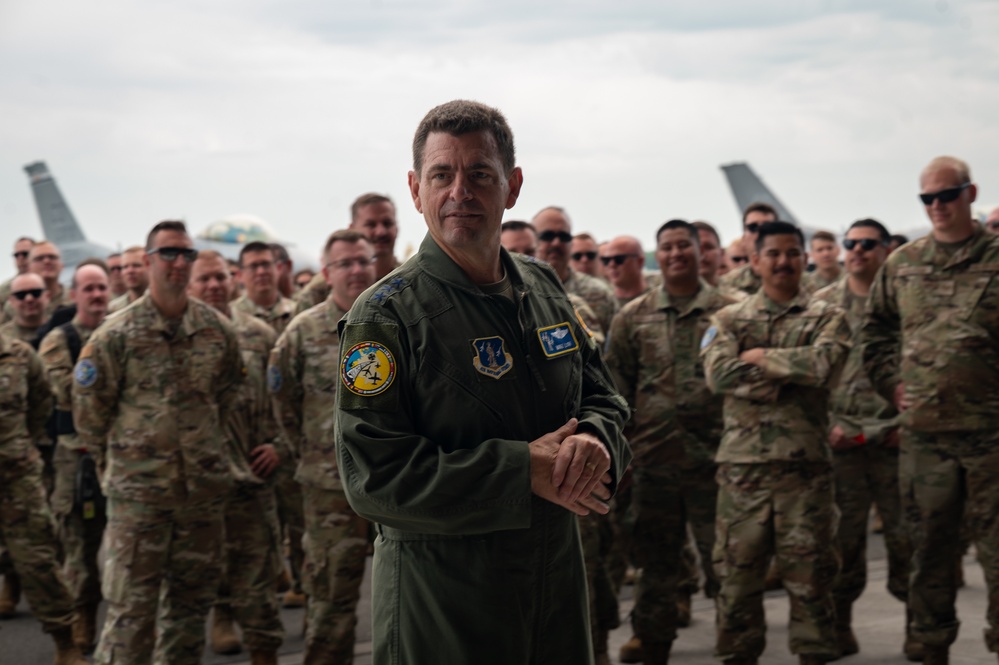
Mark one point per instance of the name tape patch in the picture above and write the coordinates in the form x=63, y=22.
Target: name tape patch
x=557, y=340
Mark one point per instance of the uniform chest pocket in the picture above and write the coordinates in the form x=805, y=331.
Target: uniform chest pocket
x=799, y=331
x=977, y=295
x=453, y=386
x=13, y=387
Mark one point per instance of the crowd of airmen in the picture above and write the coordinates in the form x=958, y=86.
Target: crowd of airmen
x=178, y=407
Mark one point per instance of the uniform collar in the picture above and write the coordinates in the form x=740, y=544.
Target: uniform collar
x=436, y=262
x=189, y=322
x=700, y=301
x=970, y=252
x=798, y=303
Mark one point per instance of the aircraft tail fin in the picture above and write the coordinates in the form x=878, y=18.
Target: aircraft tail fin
x=58, y=223
x=747, y=188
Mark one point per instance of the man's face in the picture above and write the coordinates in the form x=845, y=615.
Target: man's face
x=522, y=241
x=22, y=249
x=377, y=222
x=738, y=256
x=864, y=263
x=91, y=293
x=169, y=276
x=947, y=216
x=302, y=280
x=780, y=262
x=711, y=254
x=583, y=256
x=258, y=272
x=992, y=221
x=28, y=297
x=349, y=269
x=825, y=254
x=678, y=256
x=554, y=238
x=751, y=228
x=45, y=260
x=211, y=282
x=463, y=189
x=133, y=271
x=114, y=274
x=622, y=261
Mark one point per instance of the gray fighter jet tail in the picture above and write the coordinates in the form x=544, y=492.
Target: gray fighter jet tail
x=747, y=188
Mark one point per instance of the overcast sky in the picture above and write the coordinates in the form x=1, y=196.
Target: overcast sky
x=622, y=111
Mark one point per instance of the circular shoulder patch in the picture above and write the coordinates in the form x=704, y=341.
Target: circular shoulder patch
x=273, y=378
x=367, y=369
x=85, y=373
x=709, y=336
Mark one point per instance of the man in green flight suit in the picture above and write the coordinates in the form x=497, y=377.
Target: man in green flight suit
x=475, y=420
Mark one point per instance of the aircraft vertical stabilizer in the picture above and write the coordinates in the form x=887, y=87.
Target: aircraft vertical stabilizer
x=58, y=223
x=747, y=188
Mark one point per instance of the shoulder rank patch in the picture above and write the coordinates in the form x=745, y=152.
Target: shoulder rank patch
x=273, y=378
x=85, y=373
x=367, y=369
x=490, y=357
x=557, y=340
x=387, y=289
x=709, y=336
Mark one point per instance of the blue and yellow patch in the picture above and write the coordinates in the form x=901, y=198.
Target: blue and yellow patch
x=85, y=373
x=491, y=357
x=709, y=336
x=557, y=340
x=367, y=369
x=273, y=379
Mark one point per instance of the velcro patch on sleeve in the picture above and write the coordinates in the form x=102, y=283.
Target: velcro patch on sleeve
x=369, y=367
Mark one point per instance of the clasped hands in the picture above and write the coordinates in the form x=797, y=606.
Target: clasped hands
x=571, y=470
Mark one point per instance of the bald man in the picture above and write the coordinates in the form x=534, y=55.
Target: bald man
x=622, y=259
x=28, y=301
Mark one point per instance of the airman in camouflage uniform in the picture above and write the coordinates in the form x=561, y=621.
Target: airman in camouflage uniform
x=135, y=277
x=26, y=525
x=864, y=441
x=746, y=279
x=28, y=311
x=80, y=522
x=251, y=553
x=674, y=432
x=151, y=393
x=930, y=347
x=22, y=249
x=258, y=272
x=775, y=357
x=303, y=375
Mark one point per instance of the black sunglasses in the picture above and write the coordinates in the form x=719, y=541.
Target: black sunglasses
x=753, y=227
x=170, y=254
x=739, y=259
x=20, y=255
x=618, y=259
x=993, y=225
x=866, y=244
x=945, y=195
x=548, y=236
x=578, y=256
x=34, y=293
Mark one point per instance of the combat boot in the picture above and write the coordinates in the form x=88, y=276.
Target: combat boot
x=263, y=658
x=66, y=652
x=912, y=648
x=224, y=639
x=85, y=628
x=293, y=599
x=631, y=651
x=846, y=641
x=283, y=580
x=683, y=610
x=773, y=580
x=10, y=596
x=935, y=655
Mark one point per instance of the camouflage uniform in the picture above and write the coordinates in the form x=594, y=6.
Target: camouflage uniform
x=742, y=279
x=26, y=526
x=864, y=473
x=287, y=491
x=151, y=395
x=121, y=302
x=252, y=554
x=775, y=495
x=932, y=324
x=56, y=300
x=14, y=331
x=302, y=376
x=315, y=292
x=674, y=433
x=79, y=531
x=597, y=294
x=814, y=281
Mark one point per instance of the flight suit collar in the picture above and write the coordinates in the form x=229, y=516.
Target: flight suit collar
x=700, y=302
x=437, y=263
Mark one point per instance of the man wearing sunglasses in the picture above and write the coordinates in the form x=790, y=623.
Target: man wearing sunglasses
x=992, y=221
x=151, y=393
x=28, y=300
x=22, y=247
x=623, y=259
x=554, y=244
x=744, y=278
x=930, y=348
x=583, y=254
x=864, y=440
x=45, y=261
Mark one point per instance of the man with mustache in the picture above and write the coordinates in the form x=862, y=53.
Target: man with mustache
x=775, y=357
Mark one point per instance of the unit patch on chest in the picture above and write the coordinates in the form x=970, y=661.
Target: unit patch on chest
x=490, y=356
x=557, y=340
